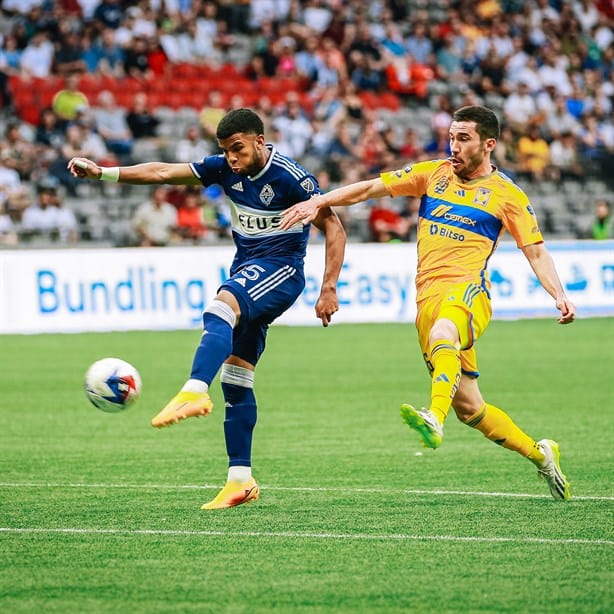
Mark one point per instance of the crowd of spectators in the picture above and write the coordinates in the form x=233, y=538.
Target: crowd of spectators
x=350, y=88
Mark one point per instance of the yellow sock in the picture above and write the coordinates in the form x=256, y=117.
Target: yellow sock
x=445, y=358
x=497, y=426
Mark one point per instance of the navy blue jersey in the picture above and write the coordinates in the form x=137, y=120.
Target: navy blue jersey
x=256, y=203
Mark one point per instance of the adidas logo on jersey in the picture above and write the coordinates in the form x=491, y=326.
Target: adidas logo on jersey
x=238, y=186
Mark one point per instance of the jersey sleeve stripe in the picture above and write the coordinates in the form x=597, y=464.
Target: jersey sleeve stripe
x=295, y=171
x=193, y=169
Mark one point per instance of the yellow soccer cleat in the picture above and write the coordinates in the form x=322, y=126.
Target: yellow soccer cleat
x=425, y=424
x=183, y=405
x=551, y=472
x=234, y=493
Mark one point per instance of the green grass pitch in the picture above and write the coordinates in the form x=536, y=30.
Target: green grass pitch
x=100, y=512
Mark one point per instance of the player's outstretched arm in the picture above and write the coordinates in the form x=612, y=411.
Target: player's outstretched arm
x=344, y=196
x=137, y=174
x=543, y=266
x=328, y=303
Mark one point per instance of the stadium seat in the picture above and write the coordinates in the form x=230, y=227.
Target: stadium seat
x=388, y=100
x=29, y=113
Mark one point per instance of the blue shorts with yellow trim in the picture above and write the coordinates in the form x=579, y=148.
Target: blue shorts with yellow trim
x=468, y=306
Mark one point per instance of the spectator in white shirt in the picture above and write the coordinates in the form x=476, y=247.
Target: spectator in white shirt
x=586, y=13
x=519, y=108
x=554, y=71
x=193, y=147
x=295, y=131
x=155, y=220
x=48, y=217
x=37, y=57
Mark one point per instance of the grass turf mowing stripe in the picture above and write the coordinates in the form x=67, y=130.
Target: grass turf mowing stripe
x=375, y=491
x=307, y=535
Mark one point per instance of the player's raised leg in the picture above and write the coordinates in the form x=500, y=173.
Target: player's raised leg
x=425, y=424
x=215, y=346
x=241, y=413
x=444, y=360
x=496, y=425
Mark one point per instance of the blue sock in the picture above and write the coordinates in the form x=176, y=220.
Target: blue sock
x=239, y=423
x=215, y=347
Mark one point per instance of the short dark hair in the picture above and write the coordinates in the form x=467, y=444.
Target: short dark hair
x=239, y=120
x=486, y=122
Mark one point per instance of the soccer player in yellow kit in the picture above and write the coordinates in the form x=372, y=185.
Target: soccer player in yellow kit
x=466, y=206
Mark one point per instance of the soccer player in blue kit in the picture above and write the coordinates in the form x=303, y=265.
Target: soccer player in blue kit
x=266, y=277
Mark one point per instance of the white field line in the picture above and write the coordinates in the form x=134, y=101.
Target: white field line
x=308, y=535
x=344, y=489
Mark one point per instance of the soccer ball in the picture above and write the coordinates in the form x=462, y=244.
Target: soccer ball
x=112, y=384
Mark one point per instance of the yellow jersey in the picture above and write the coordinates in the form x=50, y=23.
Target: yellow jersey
x=461, y=222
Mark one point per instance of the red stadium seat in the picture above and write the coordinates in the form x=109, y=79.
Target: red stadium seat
x=369, y=99
x=30, y=114
x=171, y=99
x=388, y=100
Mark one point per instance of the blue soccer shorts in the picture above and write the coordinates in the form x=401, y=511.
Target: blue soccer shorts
x=264, y=288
